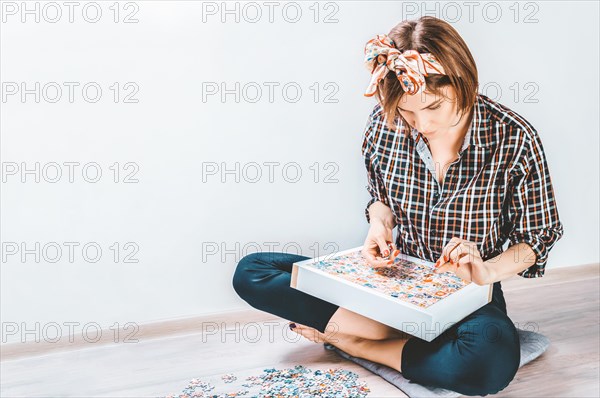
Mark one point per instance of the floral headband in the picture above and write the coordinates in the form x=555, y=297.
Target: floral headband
x=411, y=67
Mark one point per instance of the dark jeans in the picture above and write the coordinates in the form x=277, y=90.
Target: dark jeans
x=478, y=355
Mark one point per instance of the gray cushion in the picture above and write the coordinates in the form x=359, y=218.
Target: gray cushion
x=532, y=346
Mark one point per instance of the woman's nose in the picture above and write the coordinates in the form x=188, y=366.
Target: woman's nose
x=420, y=125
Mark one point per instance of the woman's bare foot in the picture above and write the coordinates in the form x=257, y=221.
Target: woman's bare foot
x=387, y=352
x=345, y=342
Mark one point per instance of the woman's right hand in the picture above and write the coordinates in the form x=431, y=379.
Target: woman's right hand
x=376, y=245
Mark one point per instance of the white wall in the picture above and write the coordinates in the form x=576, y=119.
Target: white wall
x=171, y=216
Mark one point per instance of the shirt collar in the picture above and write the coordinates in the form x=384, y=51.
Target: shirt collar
x=481, y=125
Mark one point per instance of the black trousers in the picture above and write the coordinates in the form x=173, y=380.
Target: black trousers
x=478, y=355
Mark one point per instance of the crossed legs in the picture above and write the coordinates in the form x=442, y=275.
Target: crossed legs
x=476, y=356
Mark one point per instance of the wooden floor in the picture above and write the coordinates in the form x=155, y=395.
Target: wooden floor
x=564, y=305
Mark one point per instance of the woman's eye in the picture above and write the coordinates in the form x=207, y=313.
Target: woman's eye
x=437, y=107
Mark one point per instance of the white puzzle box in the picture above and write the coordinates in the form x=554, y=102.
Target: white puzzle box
x=408, y=296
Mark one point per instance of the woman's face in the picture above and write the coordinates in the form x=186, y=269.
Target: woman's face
x=432, y=115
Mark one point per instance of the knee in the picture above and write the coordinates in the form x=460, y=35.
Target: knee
x=242, y=280
x=495, y=361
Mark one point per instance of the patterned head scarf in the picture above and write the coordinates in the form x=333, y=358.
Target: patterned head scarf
x=411, y=67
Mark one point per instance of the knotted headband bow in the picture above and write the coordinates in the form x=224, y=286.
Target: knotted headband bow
x=411, y=67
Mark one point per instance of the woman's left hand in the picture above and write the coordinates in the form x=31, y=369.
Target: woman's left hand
x=463, y=258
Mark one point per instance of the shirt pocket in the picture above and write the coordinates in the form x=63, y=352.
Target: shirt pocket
x=483, y=210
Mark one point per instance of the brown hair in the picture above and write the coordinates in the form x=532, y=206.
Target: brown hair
x=431, y=35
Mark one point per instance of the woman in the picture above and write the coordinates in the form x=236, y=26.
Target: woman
x=458, y=175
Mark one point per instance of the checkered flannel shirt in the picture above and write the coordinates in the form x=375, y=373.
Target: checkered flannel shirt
x=499, y=188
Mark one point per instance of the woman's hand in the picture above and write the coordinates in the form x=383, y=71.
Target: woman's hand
x=379, y=244
x=463, y=258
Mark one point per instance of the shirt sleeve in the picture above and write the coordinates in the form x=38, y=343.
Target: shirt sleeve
x=533, y=212
x=375, y=185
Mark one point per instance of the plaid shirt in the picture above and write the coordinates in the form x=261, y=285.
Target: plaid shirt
x=498, y=189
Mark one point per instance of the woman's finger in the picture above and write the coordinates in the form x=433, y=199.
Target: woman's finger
x=395, y=253
x=462, y=268
x=445, y=267
x=374, y=261
x=454, y=261
x=469, y=252
x=459, y=253
x=447, y=250
x=384, y=247
x=368, y=255
x=464, y=261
